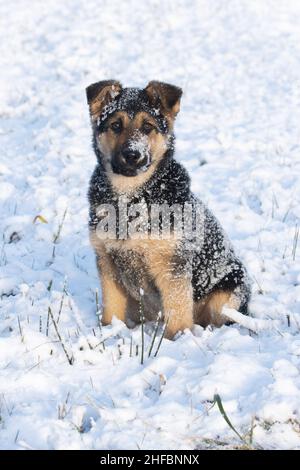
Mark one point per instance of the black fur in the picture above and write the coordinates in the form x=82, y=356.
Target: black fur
x=213, y=263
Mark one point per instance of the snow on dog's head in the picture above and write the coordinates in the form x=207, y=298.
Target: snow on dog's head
x=133, y=128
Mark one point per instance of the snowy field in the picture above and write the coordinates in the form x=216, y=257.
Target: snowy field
x=238, y=134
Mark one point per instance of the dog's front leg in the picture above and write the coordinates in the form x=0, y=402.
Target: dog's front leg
x=174, y=282
x=177, y=302
x=177, y=299
x=114, y=298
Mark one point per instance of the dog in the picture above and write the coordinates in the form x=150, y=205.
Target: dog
x=188, y=278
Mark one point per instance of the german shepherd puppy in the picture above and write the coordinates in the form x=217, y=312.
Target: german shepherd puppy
x=189, y=278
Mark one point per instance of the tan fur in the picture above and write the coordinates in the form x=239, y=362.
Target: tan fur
x=176, y=292
x=109, y=142
x=157, y=89
x=157, y=256
x=103, y=98
x=114, y=296
x=175, y=289
x=167, y=285
x=124, y=185
x=208, y=310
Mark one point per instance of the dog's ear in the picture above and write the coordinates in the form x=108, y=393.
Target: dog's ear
x=100, y=94
x=164, y=95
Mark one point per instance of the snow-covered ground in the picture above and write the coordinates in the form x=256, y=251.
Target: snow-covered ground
x=238, y=133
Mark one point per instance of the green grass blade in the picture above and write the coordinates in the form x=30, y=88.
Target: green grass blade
x=218, y=401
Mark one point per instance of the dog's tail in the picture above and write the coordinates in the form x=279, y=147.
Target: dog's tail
x=253, y=324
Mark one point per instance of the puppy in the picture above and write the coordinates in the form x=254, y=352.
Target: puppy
x=158, y=248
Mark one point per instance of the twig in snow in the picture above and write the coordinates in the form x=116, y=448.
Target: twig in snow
x=17, y=435
x=295, y=242
x=131, y=344
x=274, y=204
x=260, y=289
x=62, y=409
x=141, y=308
x=57, y=234
x=162, y=336
x=60, y=226
x=21, y=330
x=62, y=300
x=48, y=321
x=251, y=431
x=98, y=309
x=155, y=333
x=70, y=359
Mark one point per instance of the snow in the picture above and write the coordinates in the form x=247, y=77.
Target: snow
x=139, y=143
x=238, y=134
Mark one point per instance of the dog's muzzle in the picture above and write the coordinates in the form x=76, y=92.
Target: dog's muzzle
x=130, y=162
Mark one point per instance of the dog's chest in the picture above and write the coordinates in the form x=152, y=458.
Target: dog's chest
x=132, y=265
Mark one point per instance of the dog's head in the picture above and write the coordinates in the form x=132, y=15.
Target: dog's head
x=133, y=128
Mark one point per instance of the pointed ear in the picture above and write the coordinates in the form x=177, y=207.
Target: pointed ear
x=165, y=95
x=100, y=94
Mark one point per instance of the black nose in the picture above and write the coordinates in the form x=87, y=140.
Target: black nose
x=131, y=156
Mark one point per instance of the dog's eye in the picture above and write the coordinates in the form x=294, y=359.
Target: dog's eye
x=116, y=126
x=147, y=127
